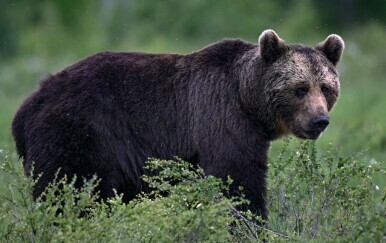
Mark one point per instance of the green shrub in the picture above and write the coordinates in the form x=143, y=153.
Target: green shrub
x=193, y=210
x=326, y=197
x=312, y=197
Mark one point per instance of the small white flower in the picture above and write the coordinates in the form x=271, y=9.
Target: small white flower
x=376, y=187
x=298, y=153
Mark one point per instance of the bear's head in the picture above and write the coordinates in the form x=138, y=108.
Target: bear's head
x=301, y=84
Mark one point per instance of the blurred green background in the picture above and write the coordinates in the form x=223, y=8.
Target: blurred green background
x=39, y=37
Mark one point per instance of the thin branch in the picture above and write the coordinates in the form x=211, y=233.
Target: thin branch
x=250, y=223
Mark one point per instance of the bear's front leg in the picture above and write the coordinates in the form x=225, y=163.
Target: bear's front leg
x=248, y=170
x=254, y=189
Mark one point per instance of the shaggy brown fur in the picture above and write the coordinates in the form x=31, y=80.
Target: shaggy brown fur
x=219, y=107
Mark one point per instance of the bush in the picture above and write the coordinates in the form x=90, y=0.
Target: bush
x=311, y=197
x=193, y=210
x=326, y=197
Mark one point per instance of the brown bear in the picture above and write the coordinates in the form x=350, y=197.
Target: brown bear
x=219, y=108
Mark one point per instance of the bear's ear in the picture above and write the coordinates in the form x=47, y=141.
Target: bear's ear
x=332, y=48
x=271, y=47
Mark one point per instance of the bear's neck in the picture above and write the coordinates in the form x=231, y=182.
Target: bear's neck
x=249, y=70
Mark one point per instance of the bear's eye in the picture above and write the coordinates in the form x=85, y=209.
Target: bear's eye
x=325, y=90
x=301, y=92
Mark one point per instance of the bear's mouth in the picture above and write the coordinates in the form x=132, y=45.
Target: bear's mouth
x=311, y=134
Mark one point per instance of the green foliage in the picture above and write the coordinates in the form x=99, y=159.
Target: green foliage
x=326, y=197
x=193, y=210
x=312, y=197
x=85, y=26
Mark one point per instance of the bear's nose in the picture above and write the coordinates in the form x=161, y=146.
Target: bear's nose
x=320, y=122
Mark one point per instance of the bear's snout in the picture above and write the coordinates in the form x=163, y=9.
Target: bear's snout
x=310, y=127
x=319, y=123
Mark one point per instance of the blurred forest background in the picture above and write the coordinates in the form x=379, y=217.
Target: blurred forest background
x=42, y=36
